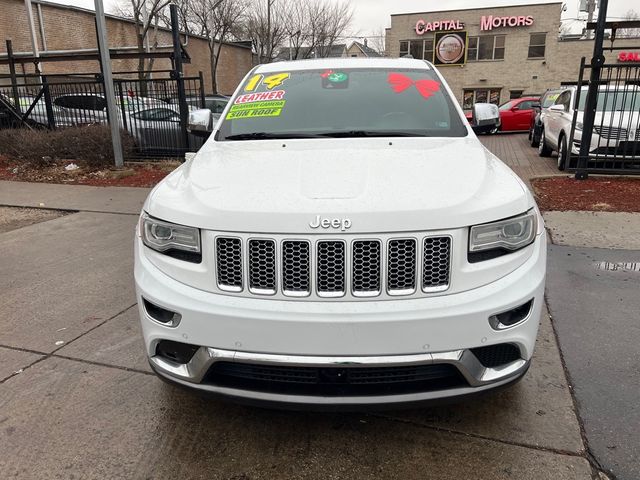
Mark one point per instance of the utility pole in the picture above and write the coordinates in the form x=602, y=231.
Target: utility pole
x=32, y=34
x=592, y=94
x=107, y=78
x=269, y=3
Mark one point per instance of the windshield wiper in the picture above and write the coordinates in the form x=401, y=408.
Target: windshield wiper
x=371, y=133
x=270, y=135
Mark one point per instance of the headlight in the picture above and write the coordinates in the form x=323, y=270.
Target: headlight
x=498, y=238
x=174, y=240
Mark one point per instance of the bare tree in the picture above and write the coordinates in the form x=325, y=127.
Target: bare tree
x=146, y=15
x=630, y=32
x=266, y=36
x=217, y=20
x=377, y=41
x=313, y=27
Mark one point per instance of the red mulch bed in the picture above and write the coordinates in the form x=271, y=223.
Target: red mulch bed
x=132, y=175
x=598, y=194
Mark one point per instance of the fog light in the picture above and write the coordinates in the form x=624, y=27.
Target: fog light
x=176, y=351
x=512, y=317
x=161, y=315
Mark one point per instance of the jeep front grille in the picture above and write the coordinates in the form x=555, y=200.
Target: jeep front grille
x=367, y=268
x=296, y=272
x=229, y=263
x=436, y=255
x=332, y=268
x=262, y=266
x=401, y=267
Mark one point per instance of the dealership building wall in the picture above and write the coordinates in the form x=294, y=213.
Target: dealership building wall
x=517, y=72
x=72, y=28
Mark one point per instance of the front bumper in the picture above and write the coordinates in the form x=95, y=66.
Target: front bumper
x=479, y=377
x=427, y=331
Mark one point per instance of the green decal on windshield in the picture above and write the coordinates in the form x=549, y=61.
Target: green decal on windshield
x=268, y=108
x=337, y=77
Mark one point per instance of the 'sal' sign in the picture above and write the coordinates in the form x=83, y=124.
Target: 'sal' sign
x=629, y=57
x=487, y=22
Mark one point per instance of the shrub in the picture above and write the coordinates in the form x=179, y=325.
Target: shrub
x=89, y=144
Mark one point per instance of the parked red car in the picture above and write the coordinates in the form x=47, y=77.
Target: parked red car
x=515, y=115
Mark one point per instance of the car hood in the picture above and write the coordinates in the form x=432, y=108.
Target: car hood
x=380, y=185
x=618, y=119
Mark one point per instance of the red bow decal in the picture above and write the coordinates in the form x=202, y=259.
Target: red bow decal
x=326, y=73
x=399, y=83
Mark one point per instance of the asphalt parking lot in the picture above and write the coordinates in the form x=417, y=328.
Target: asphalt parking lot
x=77, y=399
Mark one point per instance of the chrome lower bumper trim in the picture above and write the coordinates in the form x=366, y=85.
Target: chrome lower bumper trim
x=478, y=376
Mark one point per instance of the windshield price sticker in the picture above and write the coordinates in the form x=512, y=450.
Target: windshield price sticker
x=271, y=81
x=261, y=96
x=268, y=108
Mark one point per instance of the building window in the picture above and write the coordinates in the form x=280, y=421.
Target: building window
x=480, y=95
x=486, y=47
x=537, y=43
x=421, y=49
x=404, y=48
x=515, y=94
x=428, y=49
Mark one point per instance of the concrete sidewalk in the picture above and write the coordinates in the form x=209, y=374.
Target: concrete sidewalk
x=73, y=197
x=77, y=399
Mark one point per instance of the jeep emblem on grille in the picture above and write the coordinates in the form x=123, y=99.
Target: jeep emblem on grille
x=341, y=223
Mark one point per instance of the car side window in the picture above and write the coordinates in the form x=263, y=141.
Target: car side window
x=157, y=114
x=564, y=99
x=526, y=105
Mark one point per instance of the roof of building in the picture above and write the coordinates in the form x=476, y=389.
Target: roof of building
x=485, y=7
x=368, y=51
x=335, y=51
x=241, y=44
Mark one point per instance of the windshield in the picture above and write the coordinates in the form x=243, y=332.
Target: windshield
x=345, y=103
x=549, y=99
x=613, y=100
x=506, y=106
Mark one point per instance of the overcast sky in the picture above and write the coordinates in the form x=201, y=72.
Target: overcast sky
x=371, y=15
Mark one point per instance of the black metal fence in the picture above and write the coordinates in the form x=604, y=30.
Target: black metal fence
x=148, y=109
x=615, y=137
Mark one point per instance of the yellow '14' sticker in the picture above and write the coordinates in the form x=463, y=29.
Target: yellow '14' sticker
x=271, y=82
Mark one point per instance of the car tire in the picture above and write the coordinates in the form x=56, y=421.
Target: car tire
x=543, y=148
x=535, y=138
x=562, y=153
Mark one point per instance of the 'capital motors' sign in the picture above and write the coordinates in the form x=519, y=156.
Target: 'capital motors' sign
x=487, y=22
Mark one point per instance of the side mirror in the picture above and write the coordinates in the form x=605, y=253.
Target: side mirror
x=556, y=108
x=200, y=122
x=486, y=118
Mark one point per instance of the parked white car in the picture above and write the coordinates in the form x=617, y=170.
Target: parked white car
x=342, y=239
x=616, y=124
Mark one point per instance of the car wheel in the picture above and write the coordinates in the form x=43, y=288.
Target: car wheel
x=562, y=153
x=543, y=149
x=535, y=138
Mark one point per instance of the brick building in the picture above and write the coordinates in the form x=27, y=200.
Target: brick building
x=495, y=53
x=61, y=27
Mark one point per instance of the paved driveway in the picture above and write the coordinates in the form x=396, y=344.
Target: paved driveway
x=77, y=399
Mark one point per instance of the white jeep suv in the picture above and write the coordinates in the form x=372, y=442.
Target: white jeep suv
x=342, y=239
